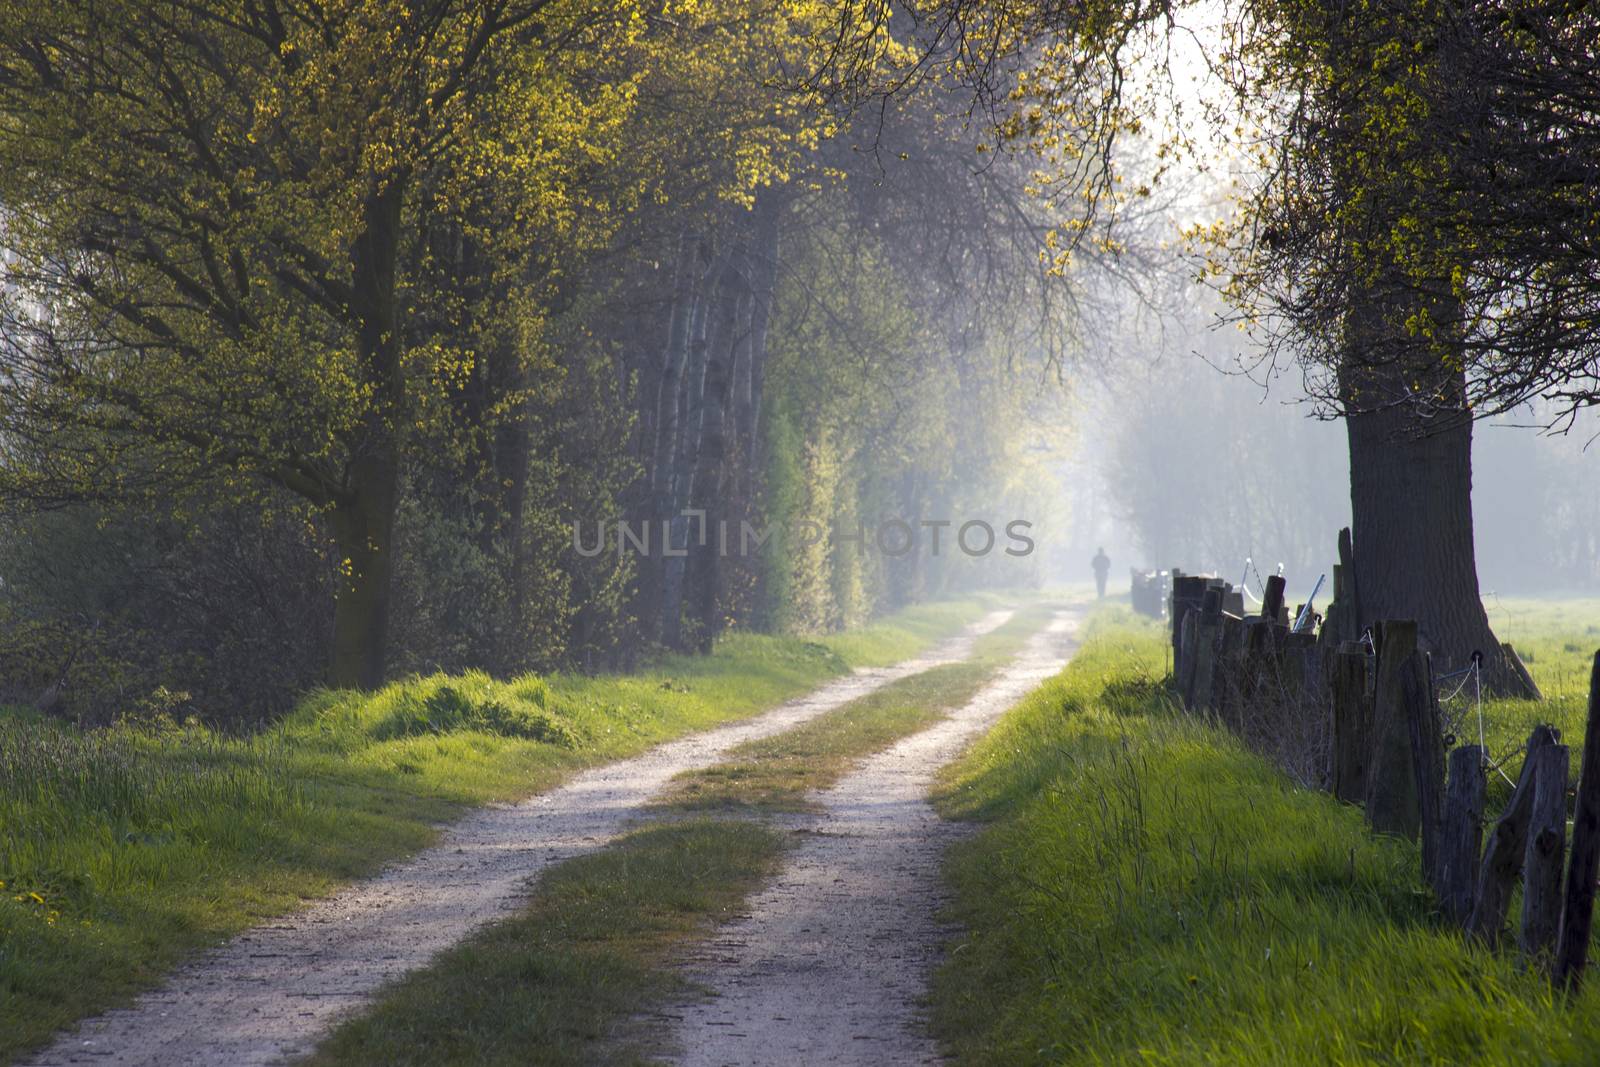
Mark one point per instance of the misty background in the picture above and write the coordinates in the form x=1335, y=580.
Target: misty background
x=1191, y=455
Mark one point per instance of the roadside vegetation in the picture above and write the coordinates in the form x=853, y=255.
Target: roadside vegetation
x=124, y=849
x=1148, y=891
x=573, y=977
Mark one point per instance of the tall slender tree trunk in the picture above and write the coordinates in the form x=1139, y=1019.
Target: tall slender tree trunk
x=706, y=333
x=663, y=444
x=363, y=514
x=709, y=491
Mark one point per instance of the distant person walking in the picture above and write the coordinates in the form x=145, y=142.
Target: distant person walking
x=1102, y=569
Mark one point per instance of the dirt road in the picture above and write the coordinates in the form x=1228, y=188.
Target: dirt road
x=832, y=962
x=269, y=994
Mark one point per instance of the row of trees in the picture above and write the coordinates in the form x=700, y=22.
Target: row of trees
x=368, y=301
x=377, y=303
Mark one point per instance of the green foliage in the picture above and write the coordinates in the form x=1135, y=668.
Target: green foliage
x=1146, y=891
x=102, y=607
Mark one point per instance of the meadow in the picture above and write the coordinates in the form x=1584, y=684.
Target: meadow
x=1146, y=890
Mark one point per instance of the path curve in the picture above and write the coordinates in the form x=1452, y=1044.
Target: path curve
x=832, y=962
x=269, y=994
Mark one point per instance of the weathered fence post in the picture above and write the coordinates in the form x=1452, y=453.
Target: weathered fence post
x=1225, y=673
x=1547, y=848
x=1183, y=665
x=1461, y=833
x=1391, y=782
x=1187, y=590
x=1272, y=599
x=1207, y=628
x=1577, y=909
x=1350, y=593
x=1427, y=756
x=1502, y=860
x=1352, y=723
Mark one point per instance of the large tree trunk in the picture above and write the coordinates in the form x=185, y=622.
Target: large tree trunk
x=363, y=526
x=363, y=515
x=1410, y=436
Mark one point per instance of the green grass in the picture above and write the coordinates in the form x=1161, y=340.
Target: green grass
x=1557, y=639
x=123, y=850
x=553, y=984
x=560, y=983
x=1147, y=891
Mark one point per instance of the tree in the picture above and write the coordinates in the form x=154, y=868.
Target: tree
x=213, y=209
x=1344, y=252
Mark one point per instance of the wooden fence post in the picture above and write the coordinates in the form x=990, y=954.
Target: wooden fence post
x=1187, y=589
x=1427, y=756
x=1502, y=860
x=1547, y=848
x=1352, y=723
x=1461, y=833
x=1577, y=909
x=1226, y=672
x=1272, y=599
x=1183, y=666
x=1350, y=600
x=1391, y=782
x=1207, y=628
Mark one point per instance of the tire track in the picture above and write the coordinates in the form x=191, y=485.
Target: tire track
x=832, y=962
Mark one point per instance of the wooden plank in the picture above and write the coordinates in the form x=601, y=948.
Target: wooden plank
x=1577, y=906
x=1391, y=783
x=1187, y=591
x=1546, y=850
x=1508, y=841
x=1461, y=833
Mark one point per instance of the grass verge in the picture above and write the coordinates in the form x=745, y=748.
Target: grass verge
x=123, y=850
x=586, y=963
x=1148, y=892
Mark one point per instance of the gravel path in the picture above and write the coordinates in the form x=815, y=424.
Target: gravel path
x=269, y=994
x=831, y=965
